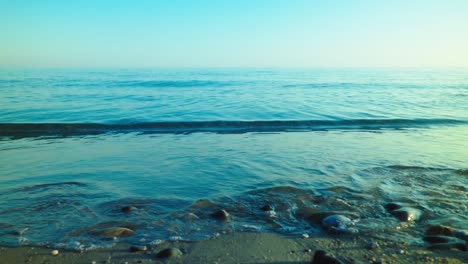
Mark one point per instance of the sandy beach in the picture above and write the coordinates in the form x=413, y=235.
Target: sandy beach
x=244, y=248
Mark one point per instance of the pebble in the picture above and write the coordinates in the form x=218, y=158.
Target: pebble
x=407, y=214
x=321, y=257
x=392, y=206
x=128, y=209
x=169, y=253
x=116, y=232
x=221, y=215
x=339, y=224
x=439, y=230
x=450, y=245
x=305, y=235
x=137, y=248
x=437, y=239
x=54, y=252
x=372, y=245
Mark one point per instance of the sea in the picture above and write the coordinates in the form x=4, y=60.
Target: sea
x=161, y=151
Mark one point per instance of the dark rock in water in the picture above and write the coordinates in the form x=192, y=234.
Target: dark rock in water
x=313, y=216
x=321, y=257
x=20, y=232
x=128, y=209
x=339, y=224
x=169, y=253
x=266, y=208
x=439, y=230
x=137, y=248
x=116, y=231
x=447, y=231
x=191, y=217
x=452, y=245
x=407, y=214
x=221, y=215
x=437, y=239
x=463, y=234
x=392, y=206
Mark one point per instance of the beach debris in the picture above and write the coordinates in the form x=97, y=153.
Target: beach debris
x=137, y=248
x=321, y=257
x=407, y=214
x=338, y=224
x=54, y=252
x=169, y=253
x=128, y=209
x=221, y=215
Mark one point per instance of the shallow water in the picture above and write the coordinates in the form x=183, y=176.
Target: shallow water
x=300, y=141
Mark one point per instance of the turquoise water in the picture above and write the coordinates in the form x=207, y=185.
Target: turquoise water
x=79, y=145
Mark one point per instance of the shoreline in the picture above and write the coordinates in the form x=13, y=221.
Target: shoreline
x=244, y=247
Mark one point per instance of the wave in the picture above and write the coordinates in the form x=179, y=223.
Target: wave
x=70, y=129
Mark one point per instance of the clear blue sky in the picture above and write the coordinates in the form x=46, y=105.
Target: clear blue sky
x=237, y=33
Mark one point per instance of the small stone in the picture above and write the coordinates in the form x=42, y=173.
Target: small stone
x=266, y=208
x=339, y=224
x=128, y=209
x=54, y=252
x=116, y=232
x=399, y=251
x=372, y=245
x=308, y=250
x=221, y=215
x=437, y=239
x=439, y=230
x=305, y=235
x=321, y=257
x=169, y=253
x=392, y=206
x=450, y=245
x=137, y=248
x=407, y=214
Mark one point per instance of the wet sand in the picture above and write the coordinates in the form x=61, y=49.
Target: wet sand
x=245, y=248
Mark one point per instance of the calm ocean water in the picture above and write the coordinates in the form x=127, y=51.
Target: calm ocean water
x=77, y=146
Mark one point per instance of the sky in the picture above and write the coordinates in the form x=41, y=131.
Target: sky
x=238, y=33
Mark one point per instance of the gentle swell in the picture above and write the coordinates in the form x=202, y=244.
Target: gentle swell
x=69, y=129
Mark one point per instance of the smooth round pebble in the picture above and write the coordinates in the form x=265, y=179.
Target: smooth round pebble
x=54, y=252
x=338, y=223
x=305, y=235
x=169, y=253
x=137, y=248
